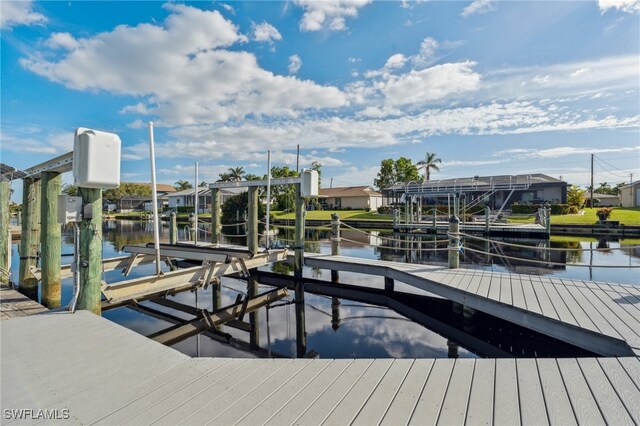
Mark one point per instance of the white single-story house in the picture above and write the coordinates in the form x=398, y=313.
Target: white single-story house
x=350, y=197
x=630, y=194
x=602, y=200
x=186, y=197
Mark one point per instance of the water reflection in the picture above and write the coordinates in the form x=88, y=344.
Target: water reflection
x=342, y=328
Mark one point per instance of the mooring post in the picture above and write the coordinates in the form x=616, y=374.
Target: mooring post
x=50, y=241
x=335, y=243
x=5, y=230
x=454, y=242
x=389, y=285
x=173, y=228
x=452, y=349
x=335, y=313
x=301, y=334
x=216, y=216
x=435, y=218
x=547, y=220
x=30, y=240
x=193, y=227
x=254, y=319
x=90, y=267
x=252, y=219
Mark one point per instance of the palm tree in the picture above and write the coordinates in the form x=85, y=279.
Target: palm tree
x=429, y=163
x=181, y=185
x=236, y=173
x=225, y=177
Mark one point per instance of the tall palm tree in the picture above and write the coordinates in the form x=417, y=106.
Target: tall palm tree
x=225, y=177
x=236, y=173
x=429, y=163
x=181, y=185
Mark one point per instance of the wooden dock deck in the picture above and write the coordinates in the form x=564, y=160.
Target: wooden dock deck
x=502, y=229
x=14, y=304
x=601, y=317
x=82, y=369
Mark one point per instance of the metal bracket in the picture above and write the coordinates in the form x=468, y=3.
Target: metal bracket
x=245, y=270
x=35, y=272
x=127, y=268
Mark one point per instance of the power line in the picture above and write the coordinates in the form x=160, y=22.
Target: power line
x=610, y=165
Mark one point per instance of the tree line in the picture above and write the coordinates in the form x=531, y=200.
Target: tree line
x=404, y=170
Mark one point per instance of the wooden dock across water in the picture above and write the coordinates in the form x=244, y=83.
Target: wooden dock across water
x=601, y=317
x=14, y=304
x=107, y=374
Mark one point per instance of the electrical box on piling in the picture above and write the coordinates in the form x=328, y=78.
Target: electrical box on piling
x=96, y=159
x=309, y=183
x=69, y=209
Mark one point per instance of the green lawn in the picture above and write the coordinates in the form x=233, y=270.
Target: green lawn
x=626, y=215
x=344, y=214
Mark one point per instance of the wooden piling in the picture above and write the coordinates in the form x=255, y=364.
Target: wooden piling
x=193, y=227
x=487, y=213
x=30, y=239
x=301, y=334
x=50, y=241
x=173, y=228
x=389, y=285
x=335, y=243
x=90, y=267
x=5, y=230
x=216, y=216
x=454, y=242
x=252, y=219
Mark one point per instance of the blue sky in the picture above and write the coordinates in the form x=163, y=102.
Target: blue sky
x=492, y=87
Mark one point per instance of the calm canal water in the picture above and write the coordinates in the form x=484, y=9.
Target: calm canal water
x=345, y=328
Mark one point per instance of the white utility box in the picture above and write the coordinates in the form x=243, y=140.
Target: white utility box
x=309, y=184
x=69, y=209
x=96, y=159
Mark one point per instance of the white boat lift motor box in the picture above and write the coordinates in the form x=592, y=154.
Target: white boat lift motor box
x=96, y=159
x=309, y=183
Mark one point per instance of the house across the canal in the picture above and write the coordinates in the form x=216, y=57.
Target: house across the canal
x=630, y=194
x=494, y=191
x=350, y=197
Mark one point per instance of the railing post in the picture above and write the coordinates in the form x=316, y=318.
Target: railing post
x=173, y=228
x=301, y=334
x=193, y=227
x=547, y=220
x=50, y=240
x=435, y=218
x=454, y=242
x=30, y=240
x=91, y=250
x=487, y=214
x=5, y=230
x=252, y=219
x=335, y=243
x=254, y=319
x=216, y=216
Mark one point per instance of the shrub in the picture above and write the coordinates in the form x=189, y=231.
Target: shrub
x=384, y=210
x=573, y=209
x=604, y=213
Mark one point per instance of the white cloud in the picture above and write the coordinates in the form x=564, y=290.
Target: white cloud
x=62, y=40
x=561, y=151
x=395, y=61
x=182, y=71
x=14, y=13
x=265, y=32
x=427, y=52
x=478, y=7
x=419, y=87
x=630, y=6
x=35, y=140
x=328, y=14
x=294, y=64
x=228, y=8
x=353, y=60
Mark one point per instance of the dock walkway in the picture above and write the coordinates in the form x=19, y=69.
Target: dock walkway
x=14, y=304
x=83, y=369
x=601, y=317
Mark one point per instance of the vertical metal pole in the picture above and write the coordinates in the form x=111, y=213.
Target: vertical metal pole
x=454, y=242
x=487, y=214
x=173, y=228
x=252, y=220
x=154, y=199
x=301, y=334
x=435, y=217
x=254, y=319
x=591, y=199
x=50, y=241
x=5, y=230
x=30, y=239
x=196, y=196
x=266, y=237
x=335, y=243
x=216, y=217
x=91, y=251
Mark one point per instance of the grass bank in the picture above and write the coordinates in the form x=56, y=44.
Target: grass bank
x=344, y=215
x=629, y=216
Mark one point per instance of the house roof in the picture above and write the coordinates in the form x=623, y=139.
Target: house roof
x=201, y=190
x=596, y=195
x=160, y=187
x=630, y=184
x=349, y=191
x=480, y=182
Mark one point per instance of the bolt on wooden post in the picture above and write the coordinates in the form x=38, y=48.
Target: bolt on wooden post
x=50, y=240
